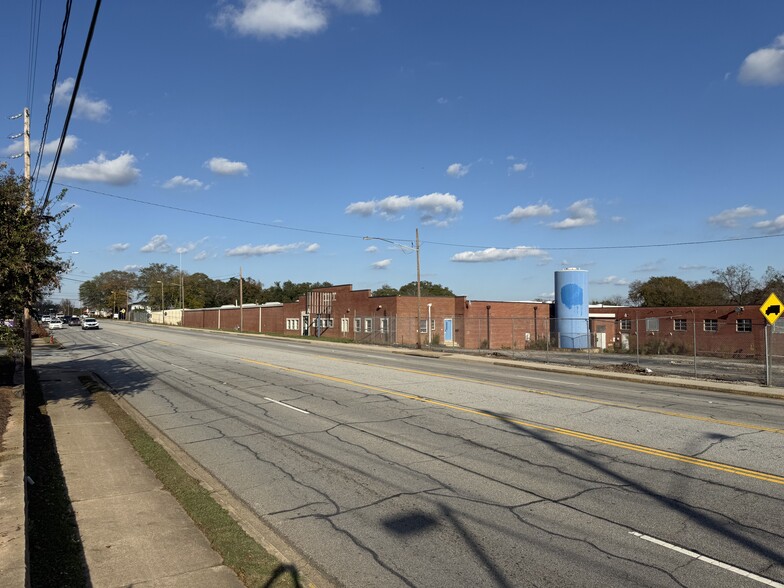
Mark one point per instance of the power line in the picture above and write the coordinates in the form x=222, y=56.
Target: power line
x=456, y=245
x=212, y=215
x=63, y=34
x=77, y=83
x=32, y=58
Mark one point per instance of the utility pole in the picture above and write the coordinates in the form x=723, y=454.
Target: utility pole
x=28, y=323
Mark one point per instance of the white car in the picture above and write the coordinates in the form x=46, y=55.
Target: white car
x=90, y=323
x=55, y=323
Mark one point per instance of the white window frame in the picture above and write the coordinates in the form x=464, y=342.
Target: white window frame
x=680, y=325
x=344, y=324
x=710, y=325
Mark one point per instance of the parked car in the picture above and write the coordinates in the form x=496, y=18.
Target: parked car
x=46, y=318
x=90, y=323
x=55, y=323
x=74, y=321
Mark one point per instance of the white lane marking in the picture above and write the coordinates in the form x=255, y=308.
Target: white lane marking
x=180, y=367
x=287, y=405
x=709, y=560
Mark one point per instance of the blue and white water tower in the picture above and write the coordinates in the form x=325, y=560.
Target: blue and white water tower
x=571, y=308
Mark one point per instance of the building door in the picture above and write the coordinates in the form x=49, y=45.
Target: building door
x=305, y=325
x=448, y=331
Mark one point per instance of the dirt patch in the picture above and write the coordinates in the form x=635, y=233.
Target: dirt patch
x=624, y=368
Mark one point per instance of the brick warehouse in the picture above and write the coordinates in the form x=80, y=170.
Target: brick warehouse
x=339, y=312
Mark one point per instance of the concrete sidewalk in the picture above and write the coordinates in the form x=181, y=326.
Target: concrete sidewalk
x=133, y=531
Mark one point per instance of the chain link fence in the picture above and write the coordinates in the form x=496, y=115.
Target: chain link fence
x=706, y=349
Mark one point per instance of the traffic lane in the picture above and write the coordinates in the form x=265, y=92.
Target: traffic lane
x=742, y=446
x=719, y=406
x=283, y=477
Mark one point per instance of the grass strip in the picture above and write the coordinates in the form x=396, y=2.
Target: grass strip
x=250, y=561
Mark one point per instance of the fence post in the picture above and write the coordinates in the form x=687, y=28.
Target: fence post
x=767, y=355
x=694, y=336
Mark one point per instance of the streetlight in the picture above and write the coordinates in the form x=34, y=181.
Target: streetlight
x=419, y=290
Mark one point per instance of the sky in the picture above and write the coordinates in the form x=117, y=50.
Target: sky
x=309, y=140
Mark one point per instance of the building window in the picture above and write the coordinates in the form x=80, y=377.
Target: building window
x=330, y=323
x=344, y=325
x=652, y=325
x=368, y=325
x=423, y=326
x=357, y=325
x=292, y=324
x=679, y=324
x=626, y=324
x=743, y=325
x=710, y=325
x=384, y=322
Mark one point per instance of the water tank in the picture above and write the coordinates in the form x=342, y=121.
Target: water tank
x=571, y=308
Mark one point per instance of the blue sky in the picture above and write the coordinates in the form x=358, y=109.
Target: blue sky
x=519, y=137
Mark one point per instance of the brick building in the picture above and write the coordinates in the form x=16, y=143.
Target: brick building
x=339, y=312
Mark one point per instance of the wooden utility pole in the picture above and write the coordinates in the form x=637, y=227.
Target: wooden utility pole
x=241, y=325
x=28, y=323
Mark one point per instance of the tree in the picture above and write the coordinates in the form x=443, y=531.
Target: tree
x=108, y=290
x=709, y=293
x=772, y=281
x=661, y=291
x=386, y=290
x=738, y=283
x=30, y=233
x=426, y=289
x=149, y=288
x=616, y=300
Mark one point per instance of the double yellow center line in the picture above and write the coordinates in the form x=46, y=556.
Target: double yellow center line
x=535, y=426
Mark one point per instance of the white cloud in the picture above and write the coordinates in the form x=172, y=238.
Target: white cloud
x=120, y=246
x=84, y=107
x=617, y=219
x=518, y=213
x=611, y=281
x=372, y=249
x=132, y=267
x=224, y=167
x=693, y=267
x=764, y=67
x=312, y=248
x=434, y=209
x=118, y=172
x=581, y=214
x=281, y=19
x=457, y=170
x=383, y=264
x=493, y=254
x=183, y=182
x=771, y=226
x=651, y=266
x=69, y=146
x=729, y=218
x=271, y=249
x=200, y=256
x=518, y=167
x=158, y=243
x=442, y=100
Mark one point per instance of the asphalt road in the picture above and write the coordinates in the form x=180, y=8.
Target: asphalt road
x=391, y=470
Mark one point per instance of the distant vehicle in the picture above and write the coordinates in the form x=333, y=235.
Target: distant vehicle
x=74, y=321
x=90, y=323
x=115, y=316
x=46, y=318
x=55, y=323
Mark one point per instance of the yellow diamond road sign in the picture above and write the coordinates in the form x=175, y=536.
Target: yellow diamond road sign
x=772, y=308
